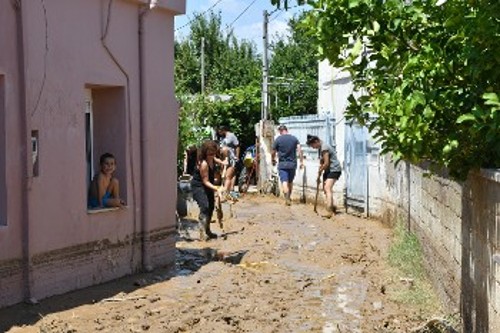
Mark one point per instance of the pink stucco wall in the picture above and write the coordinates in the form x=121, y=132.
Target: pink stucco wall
x=63, y=56
x=10, y=236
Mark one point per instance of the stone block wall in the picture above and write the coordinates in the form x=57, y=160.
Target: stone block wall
x=430, y=206
x=458, y=225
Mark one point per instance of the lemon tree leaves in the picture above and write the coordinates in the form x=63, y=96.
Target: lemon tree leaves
x=429, y=71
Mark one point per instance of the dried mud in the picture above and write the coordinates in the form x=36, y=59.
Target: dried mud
x=278, y=269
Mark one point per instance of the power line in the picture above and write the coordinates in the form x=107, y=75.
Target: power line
x=241, y=14
x=281, y=11
x=199, y=15
x=276, y=16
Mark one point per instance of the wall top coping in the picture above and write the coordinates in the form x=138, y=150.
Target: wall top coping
x=491, y=174
x=307, y=118
x=178, y=7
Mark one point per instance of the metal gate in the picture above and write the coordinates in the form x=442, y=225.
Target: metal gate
x=356, y=166
x=321, y=125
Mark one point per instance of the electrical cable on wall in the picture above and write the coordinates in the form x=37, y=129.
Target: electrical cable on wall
x=45, y=56
x=129, y=120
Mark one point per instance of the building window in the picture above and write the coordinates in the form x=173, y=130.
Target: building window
x=106, y=131
x=3, y=157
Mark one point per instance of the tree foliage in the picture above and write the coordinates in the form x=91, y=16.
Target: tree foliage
x=428, y=70
x=233, y=68
x=229, y=62
x=198, y=116
x=240, y=113
x=294, y=72
x=285, y=3
x=191, y=128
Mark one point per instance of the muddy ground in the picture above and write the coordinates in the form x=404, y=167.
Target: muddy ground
x=279, y=269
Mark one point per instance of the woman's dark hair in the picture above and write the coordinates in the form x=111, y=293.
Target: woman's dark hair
x=207, y=146
x=191, y=149
x=105, y=156
x=311, y=139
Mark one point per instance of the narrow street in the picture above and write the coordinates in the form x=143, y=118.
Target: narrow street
x=280, y=269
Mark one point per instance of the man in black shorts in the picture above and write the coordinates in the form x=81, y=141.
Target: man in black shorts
x=287, y=146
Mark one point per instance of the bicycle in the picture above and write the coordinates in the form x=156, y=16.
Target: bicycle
x=273, y=184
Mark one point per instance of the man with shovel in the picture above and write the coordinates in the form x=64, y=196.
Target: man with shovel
x=287, y=147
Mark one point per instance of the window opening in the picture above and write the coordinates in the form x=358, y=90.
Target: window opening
x=105, y=132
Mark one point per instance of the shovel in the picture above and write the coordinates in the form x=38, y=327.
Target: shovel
x=220, y=214
x=318, y=181
x=304, y=178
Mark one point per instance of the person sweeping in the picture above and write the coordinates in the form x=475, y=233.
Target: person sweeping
x=329, y=170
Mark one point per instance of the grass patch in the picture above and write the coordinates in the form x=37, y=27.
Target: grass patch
x=405, y=255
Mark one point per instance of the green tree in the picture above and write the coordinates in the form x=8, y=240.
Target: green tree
x=285, y=3
x=229, y=62
x=240, y=113
x=295, y=61
x=191, y=128
x=232, y=67
x=429, y=71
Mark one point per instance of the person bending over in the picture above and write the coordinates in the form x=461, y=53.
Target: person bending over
x=203, y=188
x=329, y=167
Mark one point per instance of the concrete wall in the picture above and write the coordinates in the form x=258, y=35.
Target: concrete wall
x=458, y=225
x=432, y=207
x=61, y=246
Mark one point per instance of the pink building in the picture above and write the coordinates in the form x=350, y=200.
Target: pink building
x=79, y=78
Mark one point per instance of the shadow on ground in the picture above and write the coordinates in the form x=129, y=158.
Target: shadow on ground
x=187, y=262
x=188, y=230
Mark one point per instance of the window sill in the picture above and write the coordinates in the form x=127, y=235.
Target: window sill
x=104, y=210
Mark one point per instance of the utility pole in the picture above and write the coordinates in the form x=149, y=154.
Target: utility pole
x=265, y=70
x=203, y=66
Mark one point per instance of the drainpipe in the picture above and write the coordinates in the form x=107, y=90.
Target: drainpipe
x=129, y=120
x=24, y=136
x=145, y=253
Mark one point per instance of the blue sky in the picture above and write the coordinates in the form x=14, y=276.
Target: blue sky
x=248, y=26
